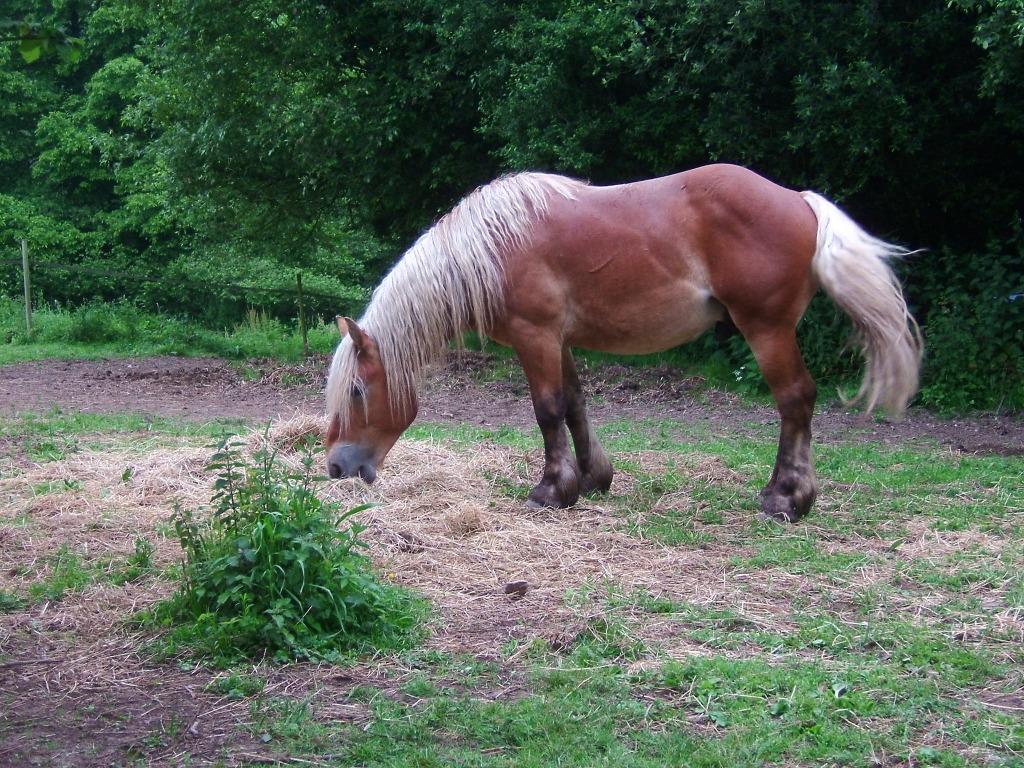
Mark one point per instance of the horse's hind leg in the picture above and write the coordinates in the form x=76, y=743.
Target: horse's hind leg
x=791, y=491
x=594, y=465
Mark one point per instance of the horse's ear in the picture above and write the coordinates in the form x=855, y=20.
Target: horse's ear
x=359, y=339
x=340, y=322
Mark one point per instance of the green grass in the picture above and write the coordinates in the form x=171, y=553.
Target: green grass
x=465, y=437
x=97, y=330
x=108, y=428
x=856, y=672
x=700, y=712
x=55, y=435
x=68, y=574
x=885, y=630
x=70, y=570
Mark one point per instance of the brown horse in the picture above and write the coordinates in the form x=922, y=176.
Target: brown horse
x=543, y=263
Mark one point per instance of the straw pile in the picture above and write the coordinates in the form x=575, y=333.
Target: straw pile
x=502, y=580
x=495, y=571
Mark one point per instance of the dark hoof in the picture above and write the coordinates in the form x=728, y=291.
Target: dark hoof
x=781, y=509
x=547, y=497
x=590, y=486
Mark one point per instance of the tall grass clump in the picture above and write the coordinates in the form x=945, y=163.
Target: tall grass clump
x=262, y=335
x=275, y=572
x=97, y=329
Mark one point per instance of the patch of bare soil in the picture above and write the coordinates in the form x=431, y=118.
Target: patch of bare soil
x=462, y=394
x=196, y=389
x=74, y=690
x=462, y=390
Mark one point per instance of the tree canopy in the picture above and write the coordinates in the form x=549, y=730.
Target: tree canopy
x=34, y=40
x=205, y=139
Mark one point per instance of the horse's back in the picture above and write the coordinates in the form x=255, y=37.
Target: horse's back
x=648, y=265
x=712, y=218
x=612, y=270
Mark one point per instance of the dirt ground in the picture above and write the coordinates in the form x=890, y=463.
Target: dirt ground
x=200, y=389
x=84, y=697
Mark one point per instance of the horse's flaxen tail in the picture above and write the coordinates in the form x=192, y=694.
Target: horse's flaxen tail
x=852, y=267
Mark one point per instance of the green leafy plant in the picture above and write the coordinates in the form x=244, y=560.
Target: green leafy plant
x=34, y=40
x=237, y=685
x=138, y=564
x=974, y=359
x=270, y=572
x=10, y=601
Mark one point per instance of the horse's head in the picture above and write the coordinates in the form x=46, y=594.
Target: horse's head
x=365, y=420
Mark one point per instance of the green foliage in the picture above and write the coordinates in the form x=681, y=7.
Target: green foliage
x=331, y=134
x=237, y=686
x=137, y=565
x=1000, y=33
x=10, y=602
x=85, y=179
x=123, y=328
x=271, y=573
x=97, y=323
x=975, y=333
x=35, y=40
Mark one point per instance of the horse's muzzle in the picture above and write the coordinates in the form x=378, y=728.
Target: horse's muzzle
x=351, y=460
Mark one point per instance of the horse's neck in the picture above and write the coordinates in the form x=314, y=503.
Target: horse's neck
x=412, y=327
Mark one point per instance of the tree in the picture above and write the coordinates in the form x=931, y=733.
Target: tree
x=34, y=40
x=390, y=110
x=207, y=139
x=91, y=184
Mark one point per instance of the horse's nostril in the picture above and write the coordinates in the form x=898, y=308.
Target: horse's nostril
x=351, y=460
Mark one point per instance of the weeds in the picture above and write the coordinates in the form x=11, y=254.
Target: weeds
x=68, y=574
x=138, y=565
x=100, y=329
x=10, y=601
x=271, y=573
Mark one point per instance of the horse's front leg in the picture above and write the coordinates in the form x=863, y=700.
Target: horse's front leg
x=560, y=483
x=594, y=465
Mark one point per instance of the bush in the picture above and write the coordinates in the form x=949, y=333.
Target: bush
x=123, y=328
x=975, y=356
x=99, y=322
x=270, y=573
x=974, y=333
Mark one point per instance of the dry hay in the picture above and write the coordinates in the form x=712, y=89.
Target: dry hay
x=495, y=571
x=502, y=579
x=440, y=526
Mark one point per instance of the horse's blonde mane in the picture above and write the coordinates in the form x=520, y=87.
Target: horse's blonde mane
x=450, y=281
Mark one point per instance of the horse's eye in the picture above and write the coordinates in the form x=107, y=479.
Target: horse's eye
x=357, y=391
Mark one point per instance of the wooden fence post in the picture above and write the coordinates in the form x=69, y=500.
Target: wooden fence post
x=28, y=289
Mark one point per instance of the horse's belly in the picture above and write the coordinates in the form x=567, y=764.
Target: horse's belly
x=641, y=322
